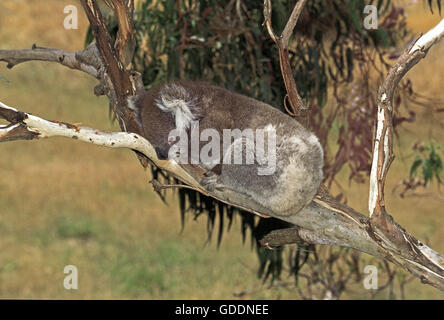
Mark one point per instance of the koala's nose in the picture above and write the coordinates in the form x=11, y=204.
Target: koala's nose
x=162, y=154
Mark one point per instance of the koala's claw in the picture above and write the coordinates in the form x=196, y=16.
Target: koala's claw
x=210, y=182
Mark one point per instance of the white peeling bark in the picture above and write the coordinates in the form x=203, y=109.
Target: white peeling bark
x=374, y=194
x=45, y=129
x=432, y=37
x=383, y=154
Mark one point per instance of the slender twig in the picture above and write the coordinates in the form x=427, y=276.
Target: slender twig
x=298, y=107
x=160, y=186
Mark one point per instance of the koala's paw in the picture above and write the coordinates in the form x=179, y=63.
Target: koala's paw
x=210, y=182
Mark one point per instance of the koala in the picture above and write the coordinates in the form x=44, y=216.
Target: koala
x=190, y=109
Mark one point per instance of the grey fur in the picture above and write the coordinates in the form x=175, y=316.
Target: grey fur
x=299, y=155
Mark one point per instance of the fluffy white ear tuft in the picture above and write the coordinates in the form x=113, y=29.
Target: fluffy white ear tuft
x=176, y=100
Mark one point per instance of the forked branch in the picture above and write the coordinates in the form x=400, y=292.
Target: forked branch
x=383, y=140
x=391, y=239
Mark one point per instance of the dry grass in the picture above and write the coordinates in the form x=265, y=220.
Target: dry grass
x=70, y=203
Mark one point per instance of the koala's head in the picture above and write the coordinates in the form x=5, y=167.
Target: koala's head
x=162, y=110
x=156, y=124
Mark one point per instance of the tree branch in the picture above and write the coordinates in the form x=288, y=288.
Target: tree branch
x=125, y=42
x=383, y=140
x=65, y=58
x=297, y=105
x=325, y=221
x=120, y=82
x=379, y=235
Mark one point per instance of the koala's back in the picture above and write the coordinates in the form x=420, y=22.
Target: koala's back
x=216, y=105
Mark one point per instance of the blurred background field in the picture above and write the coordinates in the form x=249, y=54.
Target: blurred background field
x=63, y=202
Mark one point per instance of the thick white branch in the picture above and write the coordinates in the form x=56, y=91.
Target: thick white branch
x=432, y=37
x=45, y=129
